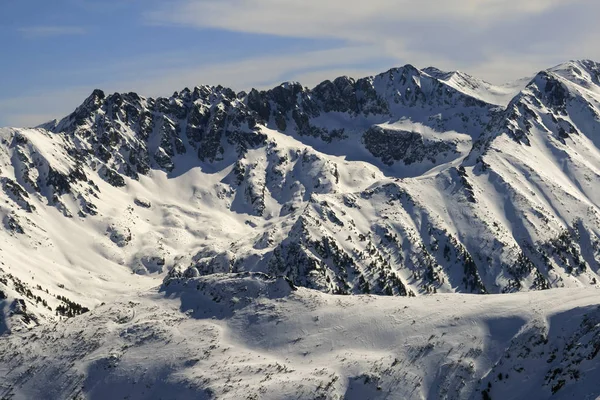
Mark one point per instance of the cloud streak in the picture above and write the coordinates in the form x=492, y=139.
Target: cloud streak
x=523, y=36
x=50, y=31
x=343, y=19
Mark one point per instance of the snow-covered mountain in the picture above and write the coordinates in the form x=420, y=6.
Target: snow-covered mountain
x=248, y=336
x=409, y=183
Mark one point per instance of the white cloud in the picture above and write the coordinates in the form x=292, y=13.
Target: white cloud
x=50, y=31
x=500, y=40
x=355, y=20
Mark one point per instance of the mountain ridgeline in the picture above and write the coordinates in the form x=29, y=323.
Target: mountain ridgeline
x=406, y=183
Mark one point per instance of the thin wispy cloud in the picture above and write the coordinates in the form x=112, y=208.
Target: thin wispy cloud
x=343, y=19
x=51, y=31
x=451, y=34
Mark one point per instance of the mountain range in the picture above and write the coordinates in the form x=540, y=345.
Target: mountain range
x=248, y=206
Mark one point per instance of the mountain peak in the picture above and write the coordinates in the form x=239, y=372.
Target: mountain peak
x=438, y=73
x=585, y=73
x=95, y=97
x=406, y=70
x=499, y=95
x=583, y=64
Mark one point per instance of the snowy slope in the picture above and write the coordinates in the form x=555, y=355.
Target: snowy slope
x=249, y=336
x=409, y=183
x=500, y=95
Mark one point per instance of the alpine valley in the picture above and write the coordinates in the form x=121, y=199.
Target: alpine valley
x=418, y=234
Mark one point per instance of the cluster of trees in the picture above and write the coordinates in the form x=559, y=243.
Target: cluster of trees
x=70, y=309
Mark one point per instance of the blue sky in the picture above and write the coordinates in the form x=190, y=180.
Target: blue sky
x=55, y=53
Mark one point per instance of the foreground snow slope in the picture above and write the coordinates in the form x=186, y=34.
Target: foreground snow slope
x=252, y=337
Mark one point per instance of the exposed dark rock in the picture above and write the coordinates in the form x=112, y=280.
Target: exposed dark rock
x=142, y=202
x=405, y=146
x=111, y=176
x=12, y=224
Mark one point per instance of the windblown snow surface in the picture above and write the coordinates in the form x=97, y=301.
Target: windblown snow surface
x=418, y=234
